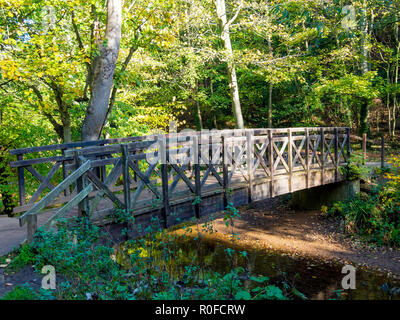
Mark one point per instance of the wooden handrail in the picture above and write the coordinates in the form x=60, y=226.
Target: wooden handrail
x=55, y=192
x=352, y=136
x=364, y=141
x=83, y=144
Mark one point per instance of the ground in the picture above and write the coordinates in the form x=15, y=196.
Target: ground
x=11, y=234
x=273, y=225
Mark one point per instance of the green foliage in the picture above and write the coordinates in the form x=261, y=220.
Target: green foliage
x=24, y=257
x=26, y=292
x=20, y=293
x=90, y=265
x=243, y=295
x=354, y=168
x=172, y=63
x=121, y=216
x=375, y=216
x=216, y=286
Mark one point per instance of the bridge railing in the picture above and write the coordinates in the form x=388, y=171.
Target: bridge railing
x=40, y=168
x=152, y=174
x=360, y=147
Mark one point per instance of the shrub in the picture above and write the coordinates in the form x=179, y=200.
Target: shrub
x=26, y=292
x=354, y=169
x=25, y=257
x=375, y=215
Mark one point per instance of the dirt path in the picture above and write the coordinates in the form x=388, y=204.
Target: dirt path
x=12, y=235
x=272, y=225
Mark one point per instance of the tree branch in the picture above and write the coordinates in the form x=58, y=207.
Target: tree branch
x=78, y=36
x=57, y=127
x=232, y=20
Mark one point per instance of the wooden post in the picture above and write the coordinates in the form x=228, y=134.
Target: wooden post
x=85, y=201
x=135, y=178
x=103, y=171
x=364, y=147
x=382, y=152
x=125, y=175
x=79, y=184
x=225, y=170
x=163, y=157
x=31, y=227
x=308, y=158
x=271, y=162
x=336, y=154
x=190, y=164
x=210, y=147
x=127, y=187
x=348, y=145
x=290, y=159
x=21, y=182
x=250, y=162
x=196, y=161
x=97, y=170
x=64, y=172
x=322, y=155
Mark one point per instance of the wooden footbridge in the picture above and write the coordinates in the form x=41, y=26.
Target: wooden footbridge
x=174, y=177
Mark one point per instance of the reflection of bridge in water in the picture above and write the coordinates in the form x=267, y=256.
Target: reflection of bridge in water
x=239, y=166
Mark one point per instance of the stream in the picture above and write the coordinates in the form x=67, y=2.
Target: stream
x=316, y=279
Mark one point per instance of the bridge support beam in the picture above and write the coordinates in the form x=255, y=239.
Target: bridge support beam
x=314, y=198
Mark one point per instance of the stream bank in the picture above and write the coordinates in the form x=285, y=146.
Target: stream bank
x=272, y=224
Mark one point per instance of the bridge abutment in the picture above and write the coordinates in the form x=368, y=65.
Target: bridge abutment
x=314, y=198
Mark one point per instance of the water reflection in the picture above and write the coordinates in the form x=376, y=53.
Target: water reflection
x=316, y=279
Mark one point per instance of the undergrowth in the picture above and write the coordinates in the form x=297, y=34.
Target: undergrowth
x=376, y=215
x=91, y=265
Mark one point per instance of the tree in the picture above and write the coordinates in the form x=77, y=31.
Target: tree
x=225, y=37
x=103, y=72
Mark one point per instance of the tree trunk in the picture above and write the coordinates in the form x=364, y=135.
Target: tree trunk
x=396, y=77
x=389, y=115
x=115, y=87
x=364, y=68
x=214, y=113
x=364, y=35
x=378, y=115
x=364, y=127
x=66, y=124
x=233, y=84
x=198, y=118
x=270, y=106
x=270, y=84
x=103, y=72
